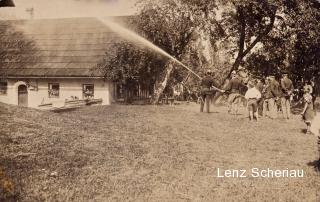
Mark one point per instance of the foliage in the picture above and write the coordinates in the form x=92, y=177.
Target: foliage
x=293, y=45
x=265, y=36
x=119, y=66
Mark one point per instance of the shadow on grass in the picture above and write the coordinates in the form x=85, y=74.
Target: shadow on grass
x=315, y=164
x=239, y=114
x=61, y=110
x=212, y=112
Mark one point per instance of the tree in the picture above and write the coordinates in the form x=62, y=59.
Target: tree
x=254, y=20
x=305, y=59
x=293, y=45
x=169, y=26
x=243, y=23
x=236, y=32
x=118, y=66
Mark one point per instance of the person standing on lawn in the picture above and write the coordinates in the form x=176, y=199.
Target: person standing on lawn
x=266, y=94
x=274, y=97
x=252, y=95
x=208, y=86
x=287, y=90
x=307, y=112
x=234, y=87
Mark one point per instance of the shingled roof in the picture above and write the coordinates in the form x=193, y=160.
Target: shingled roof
x=59, y=48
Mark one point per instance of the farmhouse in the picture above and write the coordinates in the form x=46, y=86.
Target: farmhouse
x=56, y=61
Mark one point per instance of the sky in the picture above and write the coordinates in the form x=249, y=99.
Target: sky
x=68, y=8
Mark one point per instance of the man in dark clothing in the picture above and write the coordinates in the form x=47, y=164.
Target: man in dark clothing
x=267, y=95
x=275, y=94
x=286, y=89
x=208, y=86
x=234, y=86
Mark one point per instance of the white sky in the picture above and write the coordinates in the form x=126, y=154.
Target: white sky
x=69, y=8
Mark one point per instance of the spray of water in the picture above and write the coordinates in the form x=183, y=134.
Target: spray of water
x=132, y=36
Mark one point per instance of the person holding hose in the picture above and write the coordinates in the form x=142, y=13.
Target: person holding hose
x=234, y=87
x=208, y=87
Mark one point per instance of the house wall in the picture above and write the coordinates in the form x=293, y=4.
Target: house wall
x=38, y=90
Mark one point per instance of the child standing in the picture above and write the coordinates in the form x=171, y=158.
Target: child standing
x=307, y=112
x=252, y=95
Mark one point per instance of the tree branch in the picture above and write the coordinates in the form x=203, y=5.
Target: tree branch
x=242, y=53
x=242, y=31
x=259, y=38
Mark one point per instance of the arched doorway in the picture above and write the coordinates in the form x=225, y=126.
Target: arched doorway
x=22, y=95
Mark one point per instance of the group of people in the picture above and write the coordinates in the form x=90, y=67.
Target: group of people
x=271, y=96
x=264, y=97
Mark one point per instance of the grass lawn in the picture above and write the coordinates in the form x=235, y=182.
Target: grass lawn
x=151, y=153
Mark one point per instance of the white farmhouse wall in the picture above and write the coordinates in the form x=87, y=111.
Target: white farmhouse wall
x=12, y=93
x=68, y=87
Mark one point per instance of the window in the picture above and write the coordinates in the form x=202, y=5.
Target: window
x=88, y=91
x=3, y=88
x=53, y=90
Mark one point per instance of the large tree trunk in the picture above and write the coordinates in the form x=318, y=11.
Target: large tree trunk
x=161, y=86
